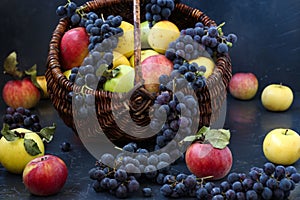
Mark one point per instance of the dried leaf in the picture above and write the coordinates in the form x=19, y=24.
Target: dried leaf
x=47, y=133
x=31, y=147
x=8, y=134
x=10, y=65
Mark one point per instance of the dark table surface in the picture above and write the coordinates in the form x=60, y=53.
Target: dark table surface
x=248, y=122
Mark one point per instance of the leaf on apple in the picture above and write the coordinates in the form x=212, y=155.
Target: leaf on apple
x=47, y=133
x=10, y=66
x=31, y=147
x=32, y=73
x=8, y=134
x=218, y=138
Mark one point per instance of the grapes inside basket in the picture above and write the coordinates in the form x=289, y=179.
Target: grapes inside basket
x=149, y=76
x=134, y=71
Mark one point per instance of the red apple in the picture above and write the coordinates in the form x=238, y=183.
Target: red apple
x=243, y=86
x=21, y=93
x=45, y=175
x=204, y=160
x=74, y=47
x=152, y=68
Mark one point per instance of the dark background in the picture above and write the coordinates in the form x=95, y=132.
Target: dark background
x=268, y=31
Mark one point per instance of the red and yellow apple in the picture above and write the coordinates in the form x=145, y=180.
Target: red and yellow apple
x=45, y=175
x=277, y=97
x=282, y=146
x=152, y=68
x=74, y=47
x=21, y=93
x=13, y=155
x=243, y=85
x=204, y=160
x=144, y=54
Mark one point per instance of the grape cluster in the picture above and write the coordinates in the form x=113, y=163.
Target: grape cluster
x=120, y=174
x=184, y=75
x=96, y=67
x=157, y=10
x=185, y=48
x=269, y=182
x=71, y=11
x=115, y=181
x=210, y=38
x=172, y=118
x=21, y=118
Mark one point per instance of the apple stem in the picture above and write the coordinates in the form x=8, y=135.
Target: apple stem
x=285, y=133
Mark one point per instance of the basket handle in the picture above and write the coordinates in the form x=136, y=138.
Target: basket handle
x=138, y=79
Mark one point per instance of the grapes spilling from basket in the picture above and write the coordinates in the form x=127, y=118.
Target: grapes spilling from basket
x=121, y=175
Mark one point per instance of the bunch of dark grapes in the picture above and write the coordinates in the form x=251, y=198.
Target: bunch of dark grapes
x=117, y=182
x=173, y=119
x=185, y=48
x=269, y=182
x=100, y=29
x=21, y=118
x=71, y=11
x=210, y=38
x=157, y=10
x=96, y=67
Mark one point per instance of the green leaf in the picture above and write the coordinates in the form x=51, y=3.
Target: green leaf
x=8, y=134
x=218, y=138
x=198, y=135
x=31, y=147
x=32, y=73
x=47, y=133
x=10, y=66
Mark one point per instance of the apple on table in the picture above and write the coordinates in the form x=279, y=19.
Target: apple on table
x=282, y=146
x=23, y=90
x=277, y=97
x=45, y=175
x=243, y=85
x=211, y=159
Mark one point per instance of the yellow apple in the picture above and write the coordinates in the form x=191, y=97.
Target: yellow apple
x=13, y=155
x=282, y=146
x=162, y=34
x=41, y=80
x=144, y=54
x=126, y=41
x=123, y=82
x=119, y=59
x=207, y=62
x=277, y=97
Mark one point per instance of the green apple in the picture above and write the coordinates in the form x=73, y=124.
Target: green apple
x=282, y=146
x=123, y=81
x=144, y=54
x=144, y=35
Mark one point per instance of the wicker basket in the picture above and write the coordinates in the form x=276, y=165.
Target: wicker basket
x=210, y=98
